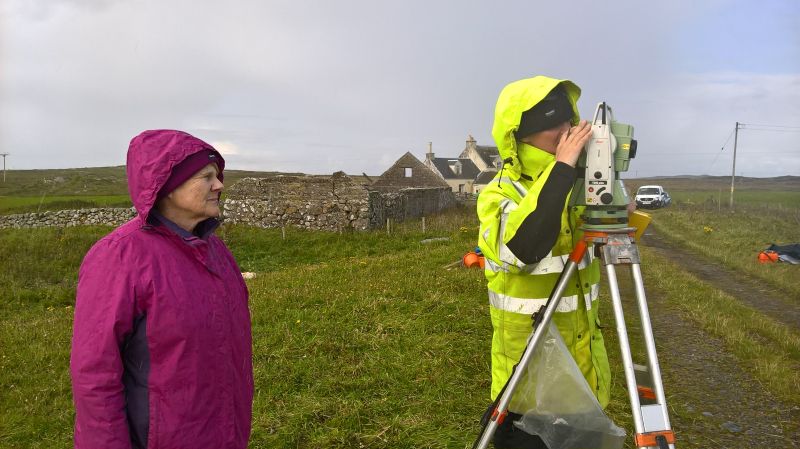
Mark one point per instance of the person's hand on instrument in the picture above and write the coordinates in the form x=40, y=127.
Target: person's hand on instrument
x=572, y=142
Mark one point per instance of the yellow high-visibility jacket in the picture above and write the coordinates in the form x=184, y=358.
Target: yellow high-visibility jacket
x=531, y=193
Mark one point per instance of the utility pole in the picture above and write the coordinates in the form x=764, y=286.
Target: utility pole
x=4, y=165
x=733, y=172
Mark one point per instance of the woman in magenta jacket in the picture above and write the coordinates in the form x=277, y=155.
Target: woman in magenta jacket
x=161, y=347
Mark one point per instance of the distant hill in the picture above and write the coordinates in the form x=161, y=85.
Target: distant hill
x=112, y=181
x=70, y=181
x=86, y=181
x=690, y=182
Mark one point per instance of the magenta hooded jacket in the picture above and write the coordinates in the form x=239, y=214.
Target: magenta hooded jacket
x=161, y=347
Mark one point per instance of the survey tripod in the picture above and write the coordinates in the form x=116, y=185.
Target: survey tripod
x=647, y=399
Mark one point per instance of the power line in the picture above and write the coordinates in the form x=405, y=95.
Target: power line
x=745, y=125
x=722, y=148
x=727, y=140
x=749, y=152
x=772, y=130
x=708, y=153
x=753, y=127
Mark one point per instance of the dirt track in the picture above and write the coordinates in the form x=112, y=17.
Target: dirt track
x=720, y=404
x=747, y=290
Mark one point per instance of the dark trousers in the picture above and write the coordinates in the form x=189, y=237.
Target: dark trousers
x=509, y=436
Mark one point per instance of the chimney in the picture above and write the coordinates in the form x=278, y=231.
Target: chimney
x=429, y=156
x=471, y=143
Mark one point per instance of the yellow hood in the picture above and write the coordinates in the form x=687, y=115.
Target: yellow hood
x=515, y=99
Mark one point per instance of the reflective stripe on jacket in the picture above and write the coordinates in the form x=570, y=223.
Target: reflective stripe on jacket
x=517, y=289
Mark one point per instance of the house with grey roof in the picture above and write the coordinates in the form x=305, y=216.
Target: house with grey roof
x=471, y=171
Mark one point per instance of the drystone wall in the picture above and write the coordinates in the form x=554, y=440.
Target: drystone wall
x=63, y=218
x=332, y=203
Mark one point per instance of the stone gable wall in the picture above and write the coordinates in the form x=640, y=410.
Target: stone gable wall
x=394, y=178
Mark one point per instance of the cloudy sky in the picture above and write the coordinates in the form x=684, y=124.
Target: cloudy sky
x=320, y=86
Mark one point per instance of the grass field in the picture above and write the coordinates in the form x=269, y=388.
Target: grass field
x=364, y=339
x=63, y=182
x=27, y=204
x=734, y=237
x=102, y=181
x=347, y=350
x=28, y=191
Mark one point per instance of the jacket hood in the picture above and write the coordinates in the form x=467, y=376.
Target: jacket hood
x=151, y=157
x=515, y=99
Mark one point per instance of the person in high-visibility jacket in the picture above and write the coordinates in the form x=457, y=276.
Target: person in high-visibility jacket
x=528, y=229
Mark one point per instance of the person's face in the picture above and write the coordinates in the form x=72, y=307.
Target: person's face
x=548, y=139
x=198, y=197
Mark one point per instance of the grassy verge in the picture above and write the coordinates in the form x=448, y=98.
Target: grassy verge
x=768, y=350
x=771, y=350
x=734, y=238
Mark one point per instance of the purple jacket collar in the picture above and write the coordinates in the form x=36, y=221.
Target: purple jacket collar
x=203, y=229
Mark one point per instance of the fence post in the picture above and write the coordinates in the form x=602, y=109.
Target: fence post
x=423, y=224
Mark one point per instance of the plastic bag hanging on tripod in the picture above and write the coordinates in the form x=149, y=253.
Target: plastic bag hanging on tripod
x=559, y=404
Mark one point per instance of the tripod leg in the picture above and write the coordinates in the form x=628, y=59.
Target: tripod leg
x=650, y=345
x=540, y=324
x=651, y=422
x=625, y=348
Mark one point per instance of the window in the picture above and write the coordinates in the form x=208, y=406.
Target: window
x=461, y=188
x=407, y=171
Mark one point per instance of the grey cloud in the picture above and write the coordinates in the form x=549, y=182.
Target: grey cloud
x=323, y=86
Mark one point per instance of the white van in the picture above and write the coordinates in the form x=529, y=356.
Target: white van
x=652, y=197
